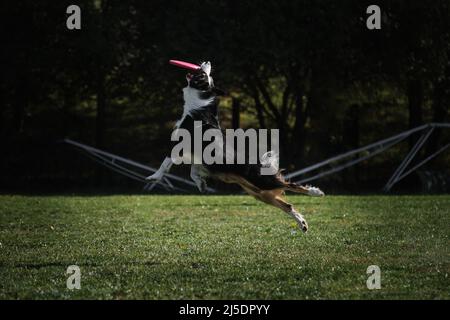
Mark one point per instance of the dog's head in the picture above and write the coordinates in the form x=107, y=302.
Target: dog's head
x=202, y=80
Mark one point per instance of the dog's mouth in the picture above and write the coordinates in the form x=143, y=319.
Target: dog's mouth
x=198, y=80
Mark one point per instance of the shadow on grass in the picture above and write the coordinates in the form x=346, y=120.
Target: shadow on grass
x=66, y=264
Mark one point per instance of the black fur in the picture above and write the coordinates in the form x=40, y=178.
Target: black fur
x=209, y=117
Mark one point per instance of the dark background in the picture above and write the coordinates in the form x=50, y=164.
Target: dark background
x=310, y=68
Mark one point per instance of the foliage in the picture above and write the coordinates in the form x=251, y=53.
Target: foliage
x=310, y=68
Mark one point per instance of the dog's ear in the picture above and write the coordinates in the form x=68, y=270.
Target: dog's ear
x=218, y=91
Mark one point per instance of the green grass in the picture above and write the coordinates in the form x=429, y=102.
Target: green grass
x=226, y=247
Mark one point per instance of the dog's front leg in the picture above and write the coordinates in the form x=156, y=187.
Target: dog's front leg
x=197, y=177
x=164, y=168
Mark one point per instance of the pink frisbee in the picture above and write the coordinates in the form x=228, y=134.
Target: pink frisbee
x=185, y=65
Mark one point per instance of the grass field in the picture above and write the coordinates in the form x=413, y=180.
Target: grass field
x=226, y=247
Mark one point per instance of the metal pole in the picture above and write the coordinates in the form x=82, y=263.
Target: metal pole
x=352, y=152
x=423, y=162
x=130, y=162
x=408, y=159
x=351, y=163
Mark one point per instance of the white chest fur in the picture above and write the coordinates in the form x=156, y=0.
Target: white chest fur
x=192, y=101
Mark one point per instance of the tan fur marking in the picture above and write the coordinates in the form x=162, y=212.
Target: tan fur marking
x=272, y=197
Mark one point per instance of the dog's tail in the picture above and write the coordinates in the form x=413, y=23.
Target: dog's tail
x=308, y=190
x=270, y=163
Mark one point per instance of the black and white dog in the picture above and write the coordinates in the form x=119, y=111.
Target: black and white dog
x=201, y=104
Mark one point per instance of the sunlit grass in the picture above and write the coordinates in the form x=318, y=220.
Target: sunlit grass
x=192, y=247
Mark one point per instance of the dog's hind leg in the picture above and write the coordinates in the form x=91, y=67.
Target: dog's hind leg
x=289, y=208
x=274, y=197
x=307, y=190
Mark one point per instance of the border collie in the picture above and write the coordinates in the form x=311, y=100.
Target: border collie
x=201, y=104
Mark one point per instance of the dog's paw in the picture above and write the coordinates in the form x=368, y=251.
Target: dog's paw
x=202, y=186
x=314, y=192
x=300, y=221
x=303, y=225
x=156, y=177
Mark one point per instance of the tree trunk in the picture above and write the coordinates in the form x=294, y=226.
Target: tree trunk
x=286, y=156
x=259, y=107
x=67, y=105
x=100, y=121
x=415, y=103
x=351, y=136
x=440, y=113
x=20, y=105
x=236, y=113
x=299, y=133
x=3, y=106
x=260, y=114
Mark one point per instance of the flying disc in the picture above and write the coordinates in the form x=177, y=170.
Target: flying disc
x=185, y=65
